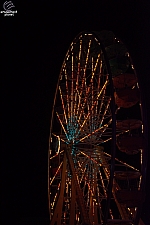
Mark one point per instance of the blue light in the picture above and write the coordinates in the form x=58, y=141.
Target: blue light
x=71, y=128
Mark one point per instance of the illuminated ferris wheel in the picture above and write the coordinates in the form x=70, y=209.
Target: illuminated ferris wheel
x=96, y=171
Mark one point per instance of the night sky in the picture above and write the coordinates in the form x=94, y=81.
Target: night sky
x=33, y=46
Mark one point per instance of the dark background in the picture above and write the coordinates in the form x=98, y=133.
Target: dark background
x=34, y=43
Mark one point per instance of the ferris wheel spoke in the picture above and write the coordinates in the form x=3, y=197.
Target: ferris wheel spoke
x=80, y=49
x=56, y=154
x=62, y=125
x=125, y=164
x=88, y=51
x=83, y=174
x=80, y=94
x=72, y=86
x=105, y=188
x=102, y=182
x=96, y=64
x=106, y=109
x=80, y=111
x=63, y=104
x=106, y=126
x=106, y=171
x=56, y=173
x=116, y=135
x=102, y=101
x=59, y=137
x=92, y=89
x=53, y=203
x=67, y=93
x=77, y=95
x=98, y=87
x=80, y=171
x=90, y=189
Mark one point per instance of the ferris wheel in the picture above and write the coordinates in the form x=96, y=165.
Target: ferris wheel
x=96, y=162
